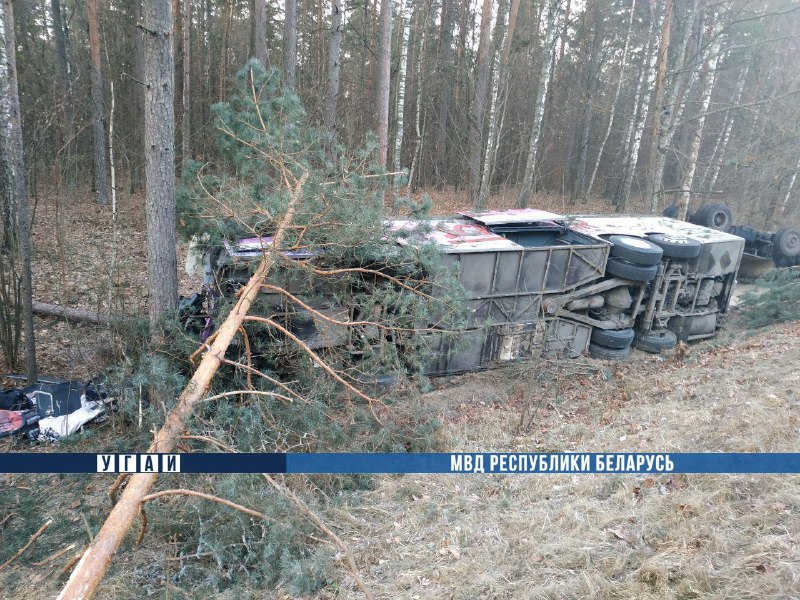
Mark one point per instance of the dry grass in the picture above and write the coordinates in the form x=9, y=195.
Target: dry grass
x=698, y=536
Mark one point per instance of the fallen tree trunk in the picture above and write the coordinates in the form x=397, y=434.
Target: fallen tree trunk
x=92, y=567
x=77, y=314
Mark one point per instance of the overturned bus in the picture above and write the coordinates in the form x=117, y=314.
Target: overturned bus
x=541, y=283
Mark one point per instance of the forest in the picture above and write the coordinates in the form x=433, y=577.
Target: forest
x=134, y=131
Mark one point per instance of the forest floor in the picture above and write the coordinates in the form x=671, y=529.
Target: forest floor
x=480, y=536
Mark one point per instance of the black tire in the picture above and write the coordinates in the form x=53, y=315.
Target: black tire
x=657, y=341
x=606, y=353
x=670, y=212
x=613, y=338
x=636, y=250
x=626, y=270
x=714, y=216
x=786, y=241
x=676, y=246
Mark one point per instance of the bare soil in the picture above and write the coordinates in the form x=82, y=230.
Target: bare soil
x=482, y=536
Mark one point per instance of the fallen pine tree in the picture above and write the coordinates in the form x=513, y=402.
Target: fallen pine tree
x=268, y=388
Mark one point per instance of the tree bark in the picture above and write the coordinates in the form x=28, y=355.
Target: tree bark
x=382, y=95
x=98, y=110
x=401, y=99
x=658, y=109
x=138, y=70
x=13, y=147
x=548, y=18
x=226, y=36
x=709, y=180
x=792, y=181
x=186, y=117
x=260, y=34
x=638, y=120
x=334, y=70
x=478, y=104
x=65, y=79
x=446, y=78
x=290, y=45
x=664, y=123
x=90, y=570
x=497, y=103
x=418, y=88
x=707, y=80
x=159, y=125
x=620, y=79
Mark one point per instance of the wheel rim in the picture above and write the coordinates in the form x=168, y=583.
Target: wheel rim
x=792, y=242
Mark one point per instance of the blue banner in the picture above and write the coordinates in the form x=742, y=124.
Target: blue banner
x=356, y=463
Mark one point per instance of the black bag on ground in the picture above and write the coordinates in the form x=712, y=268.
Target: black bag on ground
x=56, y=400
x=12, y=399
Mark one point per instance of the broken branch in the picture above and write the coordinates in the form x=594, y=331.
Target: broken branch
x=95, y=562
x=22, y=550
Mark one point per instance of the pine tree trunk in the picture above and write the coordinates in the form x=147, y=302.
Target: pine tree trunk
x=186, y=117
x=12, y=146
x=98, y=110
x=478, y=104
x=290, y=45
x=260, y=34
x=614, y=102
x=382, y=95
x=707, y=80
x=334, y=69
x=226, y=36
x=446, y=77
x=65, y=79
x=159, y=125
x=664, y=124
x=138, y=70
x=549, y=18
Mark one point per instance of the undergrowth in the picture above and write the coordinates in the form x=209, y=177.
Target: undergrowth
x=777, y=301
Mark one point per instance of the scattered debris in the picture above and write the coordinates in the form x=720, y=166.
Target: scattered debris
x=51, y=408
